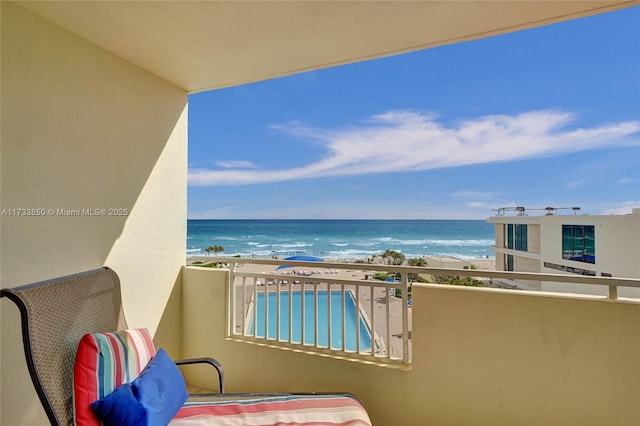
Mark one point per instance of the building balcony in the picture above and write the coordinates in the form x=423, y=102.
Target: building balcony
x=478, y=356
x=95, y=115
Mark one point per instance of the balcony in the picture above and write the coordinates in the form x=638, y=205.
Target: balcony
x=95, y=116
x=478, y=355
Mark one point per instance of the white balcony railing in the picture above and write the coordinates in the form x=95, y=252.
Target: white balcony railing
x=317, y=311
x=329, y=314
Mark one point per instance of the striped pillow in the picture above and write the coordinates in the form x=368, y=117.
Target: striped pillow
x=104, y=361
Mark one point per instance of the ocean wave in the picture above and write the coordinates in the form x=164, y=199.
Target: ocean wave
x=385, y=239
x=394, y=241
x=464, y=243
x=430, y=242
x=368, y=243
x=351, y=253
x=340, y=244
x=412, y=242
x=293, y=245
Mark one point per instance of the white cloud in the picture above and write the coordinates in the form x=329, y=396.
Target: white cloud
x=624, y=208
x=477, y=199
x=398, y=141
x=235, y=164
x=576, y=183
x=625, y=180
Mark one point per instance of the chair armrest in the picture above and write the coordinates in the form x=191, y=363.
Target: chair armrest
x=215, y=364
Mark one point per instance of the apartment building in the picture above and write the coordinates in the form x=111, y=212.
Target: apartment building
x=561, y=240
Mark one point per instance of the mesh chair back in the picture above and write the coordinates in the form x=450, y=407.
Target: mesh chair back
x=55, y=315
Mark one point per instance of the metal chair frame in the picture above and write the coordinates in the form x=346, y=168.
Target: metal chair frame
x=55, y=314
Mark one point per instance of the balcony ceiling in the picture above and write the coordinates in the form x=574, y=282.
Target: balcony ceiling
x=201, y=45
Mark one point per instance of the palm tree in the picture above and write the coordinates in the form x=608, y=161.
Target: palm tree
x=215, y=249
x=397, y=258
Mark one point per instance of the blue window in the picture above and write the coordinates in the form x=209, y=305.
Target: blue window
x=579, y=243
x=516, y=237
x=509, y=262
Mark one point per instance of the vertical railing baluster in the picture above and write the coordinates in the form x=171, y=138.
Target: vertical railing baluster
x=233, y=323
x=388, y=314
x=329, y=329
x=372, y=332
x=244, y=306
x=231, y=295
x=291, y=313
x=405, y=319
x=302, y=313
x=255, y=309
x=236, y=304
x=342, y=321
x=278, y=311
x=357, y=290
x=315, y=313
x=266, y=312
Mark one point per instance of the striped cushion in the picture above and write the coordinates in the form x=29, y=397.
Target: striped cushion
x=103, y=362
x=288, y=410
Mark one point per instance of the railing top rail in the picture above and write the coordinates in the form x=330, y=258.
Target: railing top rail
x=323, y=279
x=534, y=276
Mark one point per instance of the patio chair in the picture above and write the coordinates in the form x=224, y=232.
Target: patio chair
x=56, y=314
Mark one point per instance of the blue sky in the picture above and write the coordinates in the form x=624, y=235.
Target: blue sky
x=544, y=117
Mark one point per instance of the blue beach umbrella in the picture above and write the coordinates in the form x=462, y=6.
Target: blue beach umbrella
x=301, y=259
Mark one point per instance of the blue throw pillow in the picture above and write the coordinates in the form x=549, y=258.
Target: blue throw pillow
x=153, y=398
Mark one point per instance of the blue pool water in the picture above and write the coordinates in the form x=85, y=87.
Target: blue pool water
x=309, y=311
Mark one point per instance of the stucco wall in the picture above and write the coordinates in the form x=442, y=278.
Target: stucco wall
x=480, y=356
x=517, y=358
x=83, y=129
x=499, y=231
x=533, y=238
x=524, y=264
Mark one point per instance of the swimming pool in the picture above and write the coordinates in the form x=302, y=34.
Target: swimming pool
x=309, y=312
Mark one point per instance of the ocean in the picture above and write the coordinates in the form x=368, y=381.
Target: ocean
x=341, y=239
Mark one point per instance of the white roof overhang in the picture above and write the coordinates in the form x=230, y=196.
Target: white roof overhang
x=202, y=45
